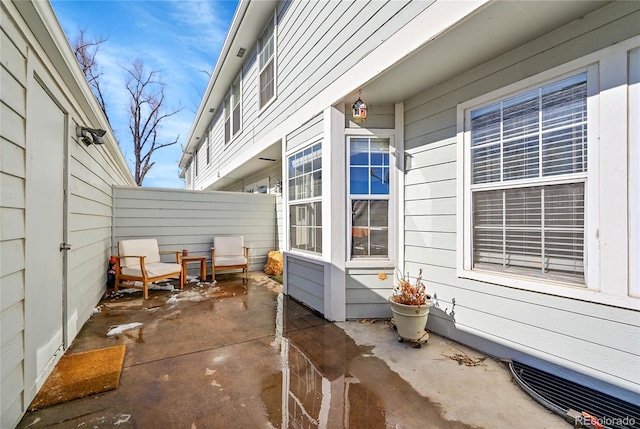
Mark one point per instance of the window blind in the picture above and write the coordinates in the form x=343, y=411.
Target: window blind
x=520, y=225
x=537, y=229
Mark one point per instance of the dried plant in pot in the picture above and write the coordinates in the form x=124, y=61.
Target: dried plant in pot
x=410, y=307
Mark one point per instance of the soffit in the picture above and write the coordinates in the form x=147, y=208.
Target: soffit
x=493, y=31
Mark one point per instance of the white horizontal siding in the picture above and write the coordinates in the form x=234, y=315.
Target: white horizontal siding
x=366, y=294
x=189, y=219
x=317, y=43
x=313, y=53
x=378, y=116
x=305, y=282
x=91, y=172
x=599, y=339
x=305, y=133
x=12, y=215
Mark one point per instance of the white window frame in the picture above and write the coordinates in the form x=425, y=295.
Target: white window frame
x=230, y=101
x=634, y=173
x=392, y=199
x=236, y=100
x=464, y=203
x=195, y=163
x=187, y=177
x=296, y=202
x=273, y=58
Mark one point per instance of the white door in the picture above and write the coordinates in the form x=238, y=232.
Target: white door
x=45, y=229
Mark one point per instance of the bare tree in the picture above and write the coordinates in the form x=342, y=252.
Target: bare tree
x=145, y=107
x=85, y=51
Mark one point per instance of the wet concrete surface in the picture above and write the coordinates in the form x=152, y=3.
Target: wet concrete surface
x=243, y=355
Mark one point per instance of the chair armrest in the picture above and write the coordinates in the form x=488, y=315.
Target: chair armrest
x=178, y=254
x=128, y=256
x=118, y=267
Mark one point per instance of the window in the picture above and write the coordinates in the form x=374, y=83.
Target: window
x=266, y=55
x=369, y=176
x=236, y=96
x=227, y=118
x=527, y=156
x=305, y=199
x=231, y=107
x=634, y=172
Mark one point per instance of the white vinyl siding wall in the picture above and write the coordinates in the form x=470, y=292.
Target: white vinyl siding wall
x=181, y=219
x=307, y=132
x=329, y=28
x=367, y=294
x=90, y=174
x=305, y=281
x=573, y=333
x=12, y=218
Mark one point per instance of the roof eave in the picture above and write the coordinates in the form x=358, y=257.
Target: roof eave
x=250, y=14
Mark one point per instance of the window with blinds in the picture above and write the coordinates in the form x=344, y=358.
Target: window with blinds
x=528, y=178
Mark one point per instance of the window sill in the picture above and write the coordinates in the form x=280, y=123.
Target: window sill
x=315, y=258
x=370, y=263
x=266, y=106
x=550, y=287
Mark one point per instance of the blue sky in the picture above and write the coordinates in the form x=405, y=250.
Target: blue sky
x=179, y=39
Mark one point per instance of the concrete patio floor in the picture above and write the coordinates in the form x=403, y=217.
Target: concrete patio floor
x=243, y=355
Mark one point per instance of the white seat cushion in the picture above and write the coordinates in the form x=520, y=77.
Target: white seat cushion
x=144, y=247
x=228, y=246
x=153, y=270
x=225, y=261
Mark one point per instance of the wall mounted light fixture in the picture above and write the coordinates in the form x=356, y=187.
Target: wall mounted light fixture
x=359, y=110
x=90, y=135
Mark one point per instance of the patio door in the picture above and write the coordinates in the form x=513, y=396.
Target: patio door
x=45, y=203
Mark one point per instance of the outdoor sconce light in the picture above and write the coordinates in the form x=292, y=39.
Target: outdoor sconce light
x=359, y=110
x=90, y=135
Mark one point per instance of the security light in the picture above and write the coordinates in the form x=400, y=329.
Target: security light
x=90, y=135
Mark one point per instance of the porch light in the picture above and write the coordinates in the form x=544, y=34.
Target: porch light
x=359, y=110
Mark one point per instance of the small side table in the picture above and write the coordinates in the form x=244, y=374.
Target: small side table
x=203, y=267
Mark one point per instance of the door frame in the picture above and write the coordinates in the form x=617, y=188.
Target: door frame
x=37, y=75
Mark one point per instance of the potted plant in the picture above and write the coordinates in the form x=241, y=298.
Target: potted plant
x=410, y=307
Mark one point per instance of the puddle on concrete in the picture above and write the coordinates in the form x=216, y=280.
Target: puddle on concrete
x=243, y=356
x=330, y=382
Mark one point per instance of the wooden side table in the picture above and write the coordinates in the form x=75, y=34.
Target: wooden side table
x=203, y=267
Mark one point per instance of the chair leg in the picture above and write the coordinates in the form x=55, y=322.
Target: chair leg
x=145, y=290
